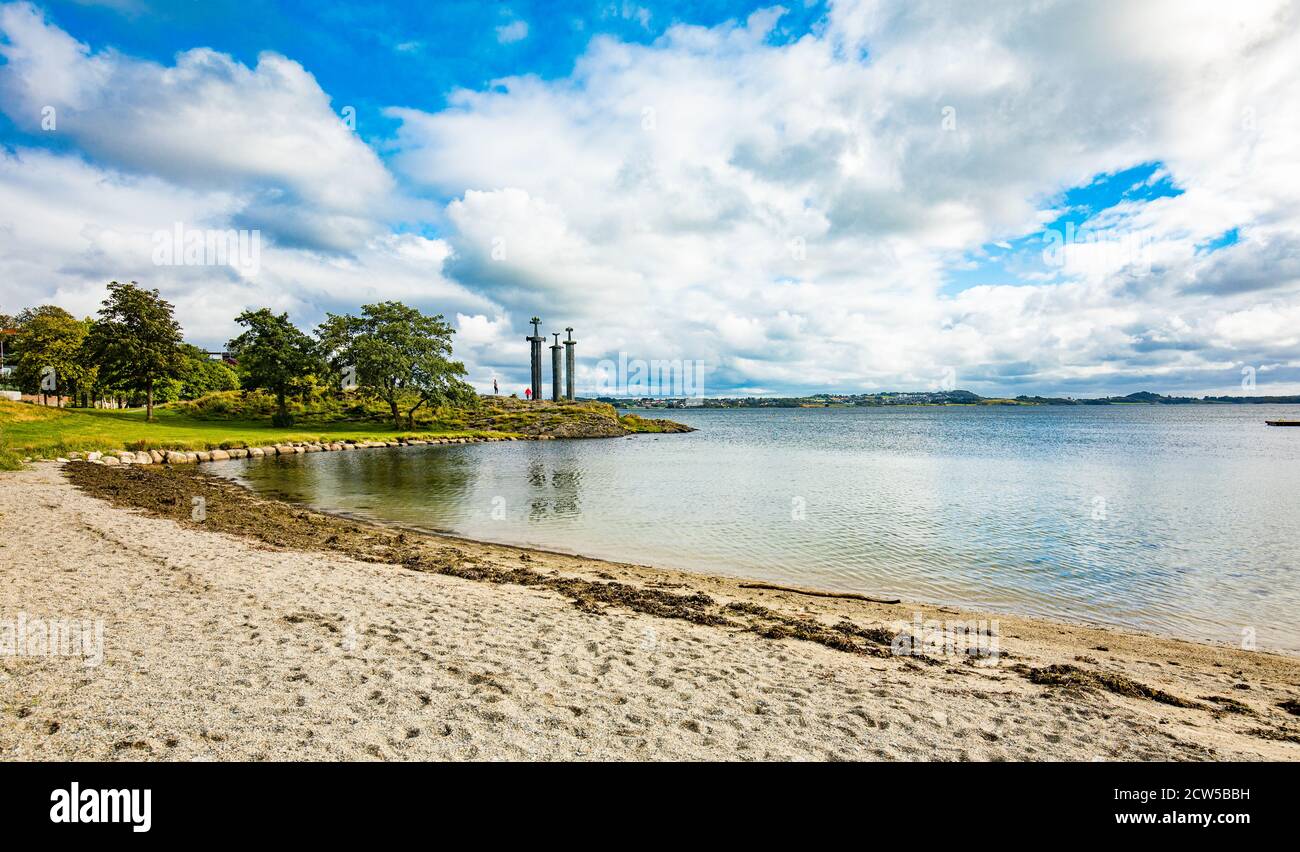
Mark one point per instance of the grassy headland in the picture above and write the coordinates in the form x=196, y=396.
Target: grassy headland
x=236, y=419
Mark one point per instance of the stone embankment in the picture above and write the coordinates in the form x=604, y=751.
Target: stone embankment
x=286, y=449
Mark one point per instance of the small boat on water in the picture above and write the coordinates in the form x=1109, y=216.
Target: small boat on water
x=1283, y=422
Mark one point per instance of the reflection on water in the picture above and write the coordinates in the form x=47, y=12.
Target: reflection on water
x=1175, y=519
x=555, y=487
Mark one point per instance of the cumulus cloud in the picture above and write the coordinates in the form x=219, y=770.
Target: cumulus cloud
x=206, y=144
x=735, y=189
x=206, y=121
x=1271, y=261
x=789, y=211
x=67, y=227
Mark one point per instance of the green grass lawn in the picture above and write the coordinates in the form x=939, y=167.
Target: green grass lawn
x=234, y=419
x=39, y=432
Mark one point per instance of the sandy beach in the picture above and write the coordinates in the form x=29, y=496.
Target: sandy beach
x=348, y=641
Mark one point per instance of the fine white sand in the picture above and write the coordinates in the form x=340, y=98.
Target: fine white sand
x=218, y=647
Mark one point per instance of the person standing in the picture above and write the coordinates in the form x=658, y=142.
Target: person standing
x=494, y=386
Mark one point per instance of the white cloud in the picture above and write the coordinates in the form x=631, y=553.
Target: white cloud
x=787, y=212
x=512, y=32
x=206, y=122
x=700, y=196
x=68, y=227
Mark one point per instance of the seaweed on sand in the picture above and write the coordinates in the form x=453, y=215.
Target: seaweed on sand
x=1065, y=675
x=1228, y=705
x=586, y=595
x=229, y=508
x=1278, y=734
x=774, y=625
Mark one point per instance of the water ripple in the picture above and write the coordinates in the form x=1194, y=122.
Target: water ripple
x=1180, y=520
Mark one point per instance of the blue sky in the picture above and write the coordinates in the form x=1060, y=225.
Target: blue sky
x=375, y=55
x=1014, y=260
x=841, y=196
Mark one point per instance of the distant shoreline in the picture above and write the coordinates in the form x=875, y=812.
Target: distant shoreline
x=736, y=403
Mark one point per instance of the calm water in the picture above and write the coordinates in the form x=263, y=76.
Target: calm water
x=1180, y=520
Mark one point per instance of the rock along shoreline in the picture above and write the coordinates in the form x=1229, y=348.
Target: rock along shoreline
x=177, y=457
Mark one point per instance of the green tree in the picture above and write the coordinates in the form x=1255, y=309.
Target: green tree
x=400, y=356
x=199, y=375
x=47, y=352
x=204, y=375
x=273, y=355
x=136, y=341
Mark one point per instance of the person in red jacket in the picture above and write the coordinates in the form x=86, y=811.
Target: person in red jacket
x=528, y=393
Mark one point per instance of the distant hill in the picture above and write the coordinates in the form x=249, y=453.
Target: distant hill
x=947, y=397
x=1148, y=398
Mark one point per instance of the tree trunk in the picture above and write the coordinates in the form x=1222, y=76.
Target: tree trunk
x=397, y=416
x=410, y=415
x=281, y=404
x=148, y=402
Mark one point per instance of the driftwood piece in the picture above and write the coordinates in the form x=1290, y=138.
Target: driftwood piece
x=850, y=595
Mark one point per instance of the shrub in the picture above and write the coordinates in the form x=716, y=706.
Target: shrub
x=9, y=460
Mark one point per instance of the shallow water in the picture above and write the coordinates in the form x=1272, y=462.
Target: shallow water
x=1183, y=520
